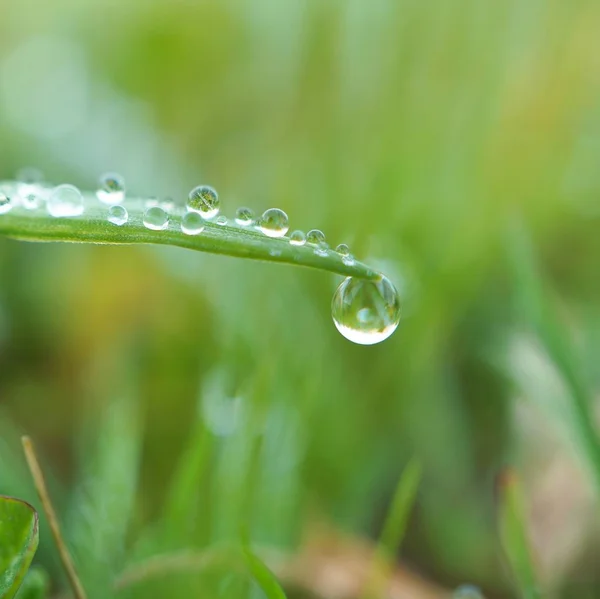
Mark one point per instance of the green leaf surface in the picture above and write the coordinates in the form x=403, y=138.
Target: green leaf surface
x=19, y=537
x=93, y=227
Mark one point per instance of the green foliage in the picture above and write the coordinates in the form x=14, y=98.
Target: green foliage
x=35, y=585
x=19, y=538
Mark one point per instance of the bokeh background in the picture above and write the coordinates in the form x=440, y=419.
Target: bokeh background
x=173, y=395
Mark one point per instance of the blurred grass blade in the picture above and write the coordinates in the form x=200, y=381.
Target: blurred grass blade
x=394, y=528
x=93, y=227
x=513, y=534
x=535, y=305
x=19, y=538
x=262, y=575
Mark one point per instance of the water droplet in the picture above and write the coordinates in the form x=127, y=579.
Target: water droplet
x=156, y=218
x=322, y=248
x=274, y=223
x=31, y=201
x=204, y=200
x=468, y=591
x=244, y=216
x=111, y=189
x=192, y=223
x=168, y=204
x=366, y=312
x=315, y=236
x=65, y=200
x=221, y=220
x=30, y=176
x=118, y=215
x=5, y=203
x=298, y=238
x=342, y=249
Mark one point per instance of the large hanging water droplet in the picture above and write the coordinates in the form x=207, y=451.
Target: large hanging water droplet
x=156, y=218
x=192, y=223
x=366, y=312
x=5, y=203
x=118, y=215
x=274, y=223
x=111, y=189
x=244, y=217
x=298, y=238
x=467, y=591
x=204, y=200
x=65, y=200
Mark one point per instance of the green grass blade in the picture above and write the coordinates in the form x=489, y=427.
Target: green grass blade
x=394, y=527
x=262, y=575
x=93, y=227
x=513, y=535
x=19, y=538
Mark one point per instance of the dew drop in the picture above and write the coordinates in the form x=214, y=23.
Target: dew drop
x=244, y=217
x=156, y=218
x=65, y=200
x=5, y=203
x=366, y=312
x=111, y=189
x=31, y=201
x=30, y=176
x=343, y=249
x=204, y=200
x=118, y=215
x=274, y=223
x=221, y=220
x=298, y=238
x=192, y=223
x=168, y=204
x=315, y=236
x=467, y=591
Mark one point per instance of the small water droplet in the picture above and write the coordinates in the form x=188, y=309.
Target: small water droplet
x=274, y=223
x=192, y=223
x=244, y=217
x=118, y=215
x=322, y=249
x=275, y=253
x=156, y=218
x=342, y=249
x=315, y=236
x=298, y=238
x=468, y=591
x=111, y=189
x=366, y=312
x=168, y=204
x=5, y=203
x=65, y=200
x=31, y=201
x=221, y=220
x=204, y=200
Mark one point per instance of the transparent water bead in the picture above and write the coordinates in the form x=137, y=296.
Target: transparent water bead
x=5, y=203
x=204, y=200
x=111, y=189
x=315, y=236
x=30, y=176
x=366, y=312
x=31, y=201
x=192, y=223
x=221, y=220
x=118, y=215
x=298, y=238
x=344, y=251
x=274, y=223
x=244, y=217
x=156, y=218
x=65, y=200
x=467, y=591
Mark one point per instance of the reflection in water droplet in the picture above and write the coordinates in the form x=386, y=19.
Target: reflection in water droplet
x=117, y=215
x=65, y=200
x=298, y=238
x=111, y=189
x=342, y=249
x=366, y=312
x=244, y=216
x=315, y=236
x=204, y=200
x=221, y=220
x=156, y=218
x=274, y=223
x=468, y=591
x=192, y=223
x=5, y=203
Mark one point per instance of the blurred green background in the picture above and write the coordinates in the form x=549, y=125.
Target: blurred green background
x=174, y=395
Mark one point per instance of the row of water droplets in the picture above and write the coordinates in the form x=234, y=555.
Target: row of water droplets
x=364, y=311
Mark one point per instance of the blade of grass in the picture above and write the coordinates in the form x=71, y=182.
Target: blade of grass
x=93, y=227
x=262, y=575
x=513, y=534
x=394, y=528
